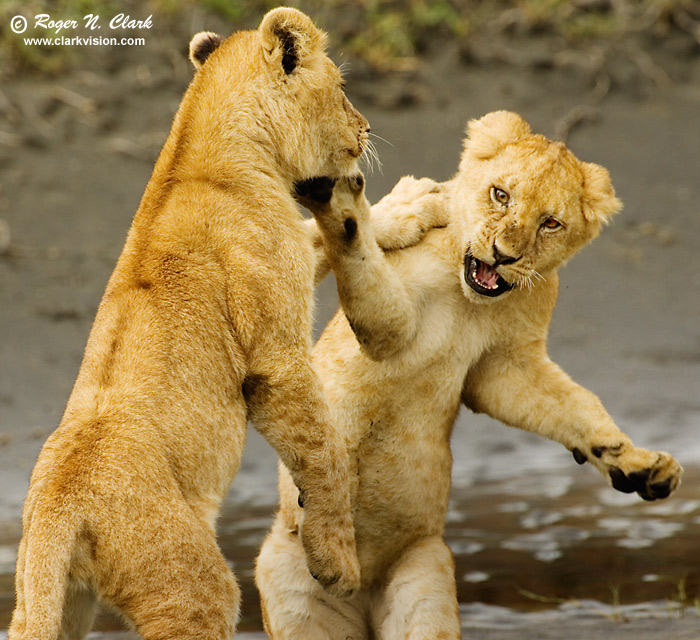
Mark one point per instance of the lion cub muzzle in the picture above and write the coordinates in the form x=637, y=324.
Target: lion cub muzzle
x=483, y=278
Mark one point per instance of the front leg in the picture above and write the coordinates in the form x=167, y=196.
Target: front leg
x=374, y=299
x=525, y=389
x=286, y=404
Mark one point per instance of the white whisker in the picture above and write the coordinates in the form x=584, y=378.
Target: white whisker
x=370, y=156
x=524, y=282
x=374, y=135
x=528, y=280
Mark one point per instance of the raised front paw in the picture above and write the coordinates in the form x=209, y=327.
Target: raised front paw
x=406, y=192
x=651, y=474
x=330, y=554
x=344, y=214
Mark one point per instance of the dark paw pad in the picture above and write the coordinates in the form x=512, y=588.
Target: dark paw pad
x=620, y=481
x=317, y=189
x=350, y=226
x=579, y=456
x=640, y=482
x=658, y=491
x=636, y=481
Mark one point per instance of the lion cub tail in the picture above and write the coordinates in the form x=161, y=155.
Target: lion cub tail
x=43, y=566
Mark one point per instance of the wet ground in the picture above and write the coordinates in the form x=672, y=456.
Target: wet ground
x=529, y=554
x=544, y=548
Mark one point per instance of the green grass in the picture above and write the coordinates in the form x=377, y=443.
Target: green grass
x=387, y=34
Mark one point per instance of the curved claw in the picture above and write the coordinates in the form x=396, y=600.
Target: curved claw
x=579, y=456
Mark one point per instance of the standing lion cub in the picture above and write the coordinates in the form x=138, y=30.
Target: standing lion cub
x=210, y=303
x=459, y=318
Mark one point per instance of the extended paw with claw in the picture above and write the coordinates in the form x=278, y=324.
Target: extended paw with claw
x=651, y=474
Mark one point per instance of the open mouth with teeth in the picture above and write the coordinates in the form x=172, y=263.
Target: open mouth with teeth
x=483, y=278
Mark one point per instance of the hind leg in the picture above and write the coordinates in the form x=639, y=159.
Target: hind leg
x=79, y=608
x=419, y=601
x=173, y=581
x=294, y=605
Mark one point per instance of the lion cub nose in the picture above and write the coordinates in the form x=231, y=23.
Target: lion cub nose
x=500, y=258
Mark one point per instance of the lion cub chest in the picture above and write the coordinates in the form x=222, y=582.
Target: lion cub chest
x=398, y=414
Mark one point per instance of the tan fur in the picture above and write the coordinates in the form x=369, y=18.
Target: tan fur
x=427, y=343
x=205, y=323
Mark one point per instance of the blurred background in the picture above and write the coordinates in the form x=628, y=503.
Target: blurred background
x=536, y=537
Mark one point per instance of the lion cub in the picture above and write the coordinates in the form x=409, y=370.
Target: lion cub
x=460, y=318
x=209, y=305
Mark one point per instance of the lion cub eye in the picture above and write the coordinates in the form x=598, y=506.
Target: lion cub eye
x=551, y=224
x=499, y=195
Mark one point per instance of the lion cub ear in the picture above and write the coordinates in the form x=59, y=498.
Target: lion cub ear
x=494, y=131
x=290, y=39
x=598, y=202
x=202, y=45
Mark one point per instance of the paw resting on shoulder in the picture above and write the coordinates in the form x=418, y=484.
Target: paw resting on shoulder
x=406, y=192
x=401, y=218
x=651, y=474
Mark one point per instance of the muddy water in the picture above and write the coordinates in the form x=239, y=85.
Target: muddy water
x=522, y=545
x=527, y=550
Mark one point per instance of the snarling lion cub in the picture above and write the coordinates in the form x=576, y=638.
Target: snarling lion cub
x=460, y=318
x=210, y=301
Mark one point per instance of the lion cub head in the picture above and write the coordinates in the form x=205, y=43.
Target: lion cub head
x=522, y=205
x=277, y=87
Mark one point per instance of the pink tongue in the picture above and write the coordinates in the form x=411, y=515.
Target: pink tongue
x=487, y=276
